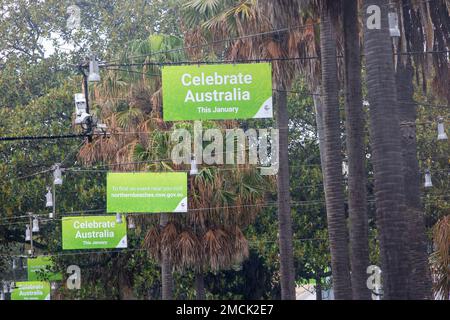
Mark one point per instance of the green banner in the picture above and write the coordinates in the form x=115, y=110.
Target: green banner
x=217, y=91
x=146, y=192
x=93, y=232
x=31, y=290
x=40, y=269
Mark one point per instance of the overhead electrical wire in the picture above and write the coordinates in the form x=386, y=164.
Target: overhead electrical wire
x=236, y=61
x=81, y=213
x=156, y=63
x=215, y=42
x=125, y=250
x=50, y=137
x=97, y=168
x=230, y=39
x=77, y=136
x=198, y=62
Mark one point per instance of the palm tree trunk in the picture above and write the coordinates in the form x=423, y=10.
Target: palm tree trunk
x=125, y=288
x=200, y=286
x=166, y=267
x=319, y=289
x=318, y=106
x=334, y=193
x=387, y=153
x=284, y=202
x=419, y=273
x=354, y=125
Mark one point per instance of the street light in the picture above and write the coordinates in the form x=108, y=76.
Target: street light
x=48, y=198
x=131, y=224
x=23, y=262
x=442, y=135
x=428, y=182
x=94, y=71
x=194, y=170
x=51, y=194
x=57, y=175
x=28, y=233
x=35, y=225
x=394, y=29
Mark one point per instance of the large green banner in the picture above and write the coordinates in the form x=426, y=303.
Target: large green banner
x=31, y=290
x=93, y=232
x=217, y=91
x=40, y=269
x=146, y=192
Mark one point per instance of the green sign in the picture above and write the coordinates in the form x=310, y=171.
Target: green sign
x=93, y=232
x=146, y=192
x=40, y=269
x=31, y=290
x=219, y=91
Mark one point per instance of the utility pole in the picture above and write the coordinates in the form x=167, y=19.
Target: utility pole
x=54, y=200
x=86, y=95
x=31, y=251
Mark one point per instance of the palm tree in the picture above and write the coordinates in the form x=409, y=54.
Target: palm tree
x=222, y=202
x=200, y=286
x=334, y=193
x=166, y=265
x=430, y=38
x=284, y=200
x=246, y=17
x=355, y=133
x=125, y=99
x=209, y=237
x=387, y=153
x=420, y=282
x=440, y=259
x=279, y=16
x=116, y=94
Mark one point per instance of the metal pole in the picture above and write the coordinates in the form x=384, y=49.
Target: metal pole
x=86, y=90
x=31, y=233
x=54, y=200
x=86, y=95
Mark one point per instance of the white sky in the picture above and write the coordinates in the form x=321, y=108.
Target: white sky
x=49, y=47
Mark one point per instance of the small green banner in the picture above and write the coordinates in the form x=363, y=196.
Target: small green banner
x=40, y=269
x=31, y=290
x=93, y=232
x=146, y=192
x=217, y=91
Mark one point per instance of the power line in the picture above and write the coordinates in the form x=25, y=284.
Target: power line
x=425, y=104
x=82, y=212
x=97, y=168
x=126, y=250
x=53, y=137
x=193, y=62
x=423, y=123
x=411, y=53
x=133, y=71
x=79, y=253
x=267, y=204
x=262, y=205
x=234, y=61
x=214, y=42
x=254, y=35
x=61, y=163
